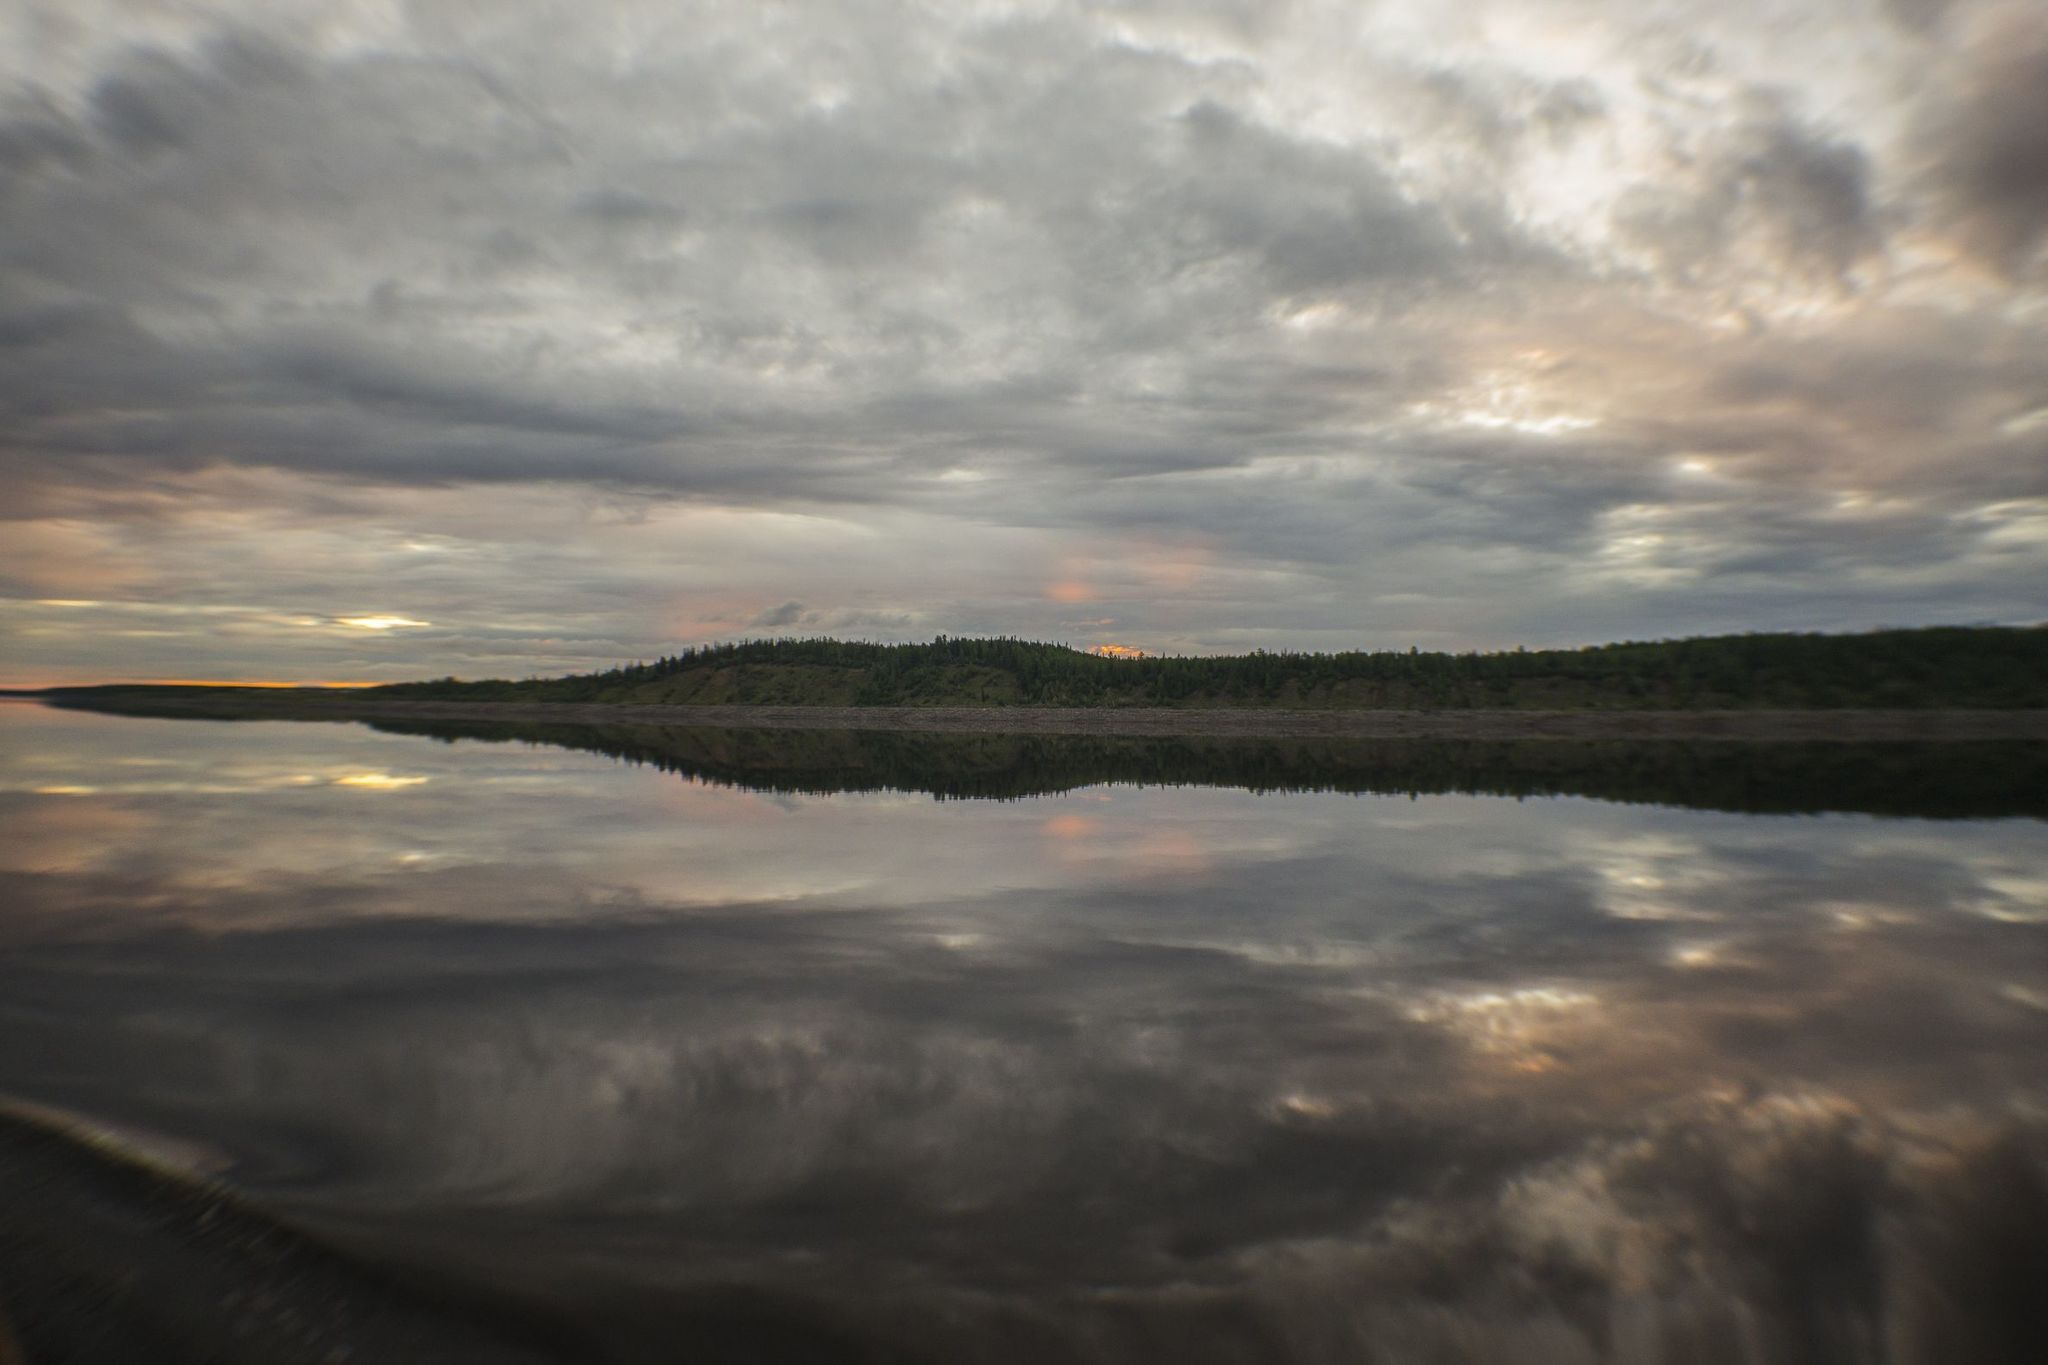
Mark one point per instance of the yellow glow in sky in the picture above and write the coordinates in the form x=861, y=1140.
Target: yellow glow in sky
x=379, y=622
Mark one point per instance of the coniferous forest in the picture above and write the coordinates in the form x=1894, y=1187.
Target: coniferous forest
x=1956, y=667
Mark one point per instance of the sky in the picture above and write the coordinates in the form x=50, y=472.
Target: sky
x=350, y=341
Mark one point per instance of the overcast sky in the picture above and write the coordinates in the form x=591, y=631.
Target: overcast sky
x=349, y=341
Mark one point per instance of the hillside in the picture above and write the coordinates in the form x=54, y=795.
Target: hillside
x=1942, y=667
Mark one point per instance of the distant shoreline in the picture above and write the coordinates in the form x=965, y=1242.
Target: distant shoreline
x=1852, y=726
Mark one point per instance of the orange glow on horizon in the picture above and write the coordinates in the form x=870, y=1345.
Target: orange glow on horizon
x=189, y=682
x=249, y=682
x=1111, y=651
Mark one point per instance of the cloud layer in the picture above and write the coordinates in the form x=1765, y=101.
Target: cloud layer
x=578, y=332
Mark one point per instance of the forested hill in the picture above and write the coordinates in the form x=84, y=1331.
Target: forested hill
x=1952, y=667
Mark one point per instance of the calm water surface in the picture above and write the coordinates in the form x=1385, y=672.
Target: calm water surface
x=1124, y=1072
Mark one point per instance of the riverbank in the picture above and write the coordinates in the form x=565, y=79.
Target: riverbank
x=339, y=704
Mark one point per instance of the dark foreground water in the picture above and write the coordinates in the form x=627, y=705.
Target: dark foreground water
x=767, y=1053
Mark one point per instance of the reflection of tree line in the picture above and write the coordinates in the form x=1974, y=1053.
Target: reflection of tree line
x=1949, y=780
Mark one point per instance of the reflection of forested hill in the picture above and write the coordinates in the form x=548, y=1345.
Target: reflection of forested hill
x=1934, y=780
x=1996, y=668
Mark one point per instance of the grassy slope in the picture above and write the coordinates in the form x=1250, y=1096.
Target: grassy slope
x=1958, y=667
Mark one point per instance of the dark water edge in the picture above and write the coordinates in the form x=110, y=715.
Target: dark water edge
x=1814, y=1239
x=1958, y=780
x=108, y=1257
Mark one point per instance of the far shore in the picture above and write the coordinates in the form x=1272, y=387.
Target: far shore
x=341, y=704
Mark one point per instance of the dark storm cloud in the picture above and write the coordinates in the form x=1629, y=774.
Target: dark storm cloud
x=1803, y=196
x=788, y=614
x=1986, y=141
x=1918, y=16
x=1817, y=191
x=337, y=384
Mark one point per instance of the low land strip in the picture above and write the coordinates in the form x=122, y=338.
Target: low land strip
x=339, y=704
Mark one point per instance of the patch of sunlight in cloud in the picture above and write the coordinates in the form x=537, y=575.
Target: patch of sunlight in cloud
x=380, y=622
x=1699, y=956
x=1513, y=398
x=1860, y=503
x=1697, y=468
x=1553, y=425
x=1640, y=546
x=1315, y=317
x=2019, y=524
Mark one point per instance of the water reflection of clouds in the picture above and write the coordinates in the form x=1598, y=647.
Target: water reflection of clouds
x=1648, y=876
x=1363, y=1070
x=245, y=785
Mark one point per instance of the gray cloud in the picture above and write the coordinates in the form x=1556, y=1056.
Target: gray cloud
x=1768, y=192
x=1986, y=141
x=1313, y=305
x=788, y=614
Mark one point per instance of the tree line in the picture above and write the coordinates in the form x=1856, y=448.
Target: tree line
x=1954, y=666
